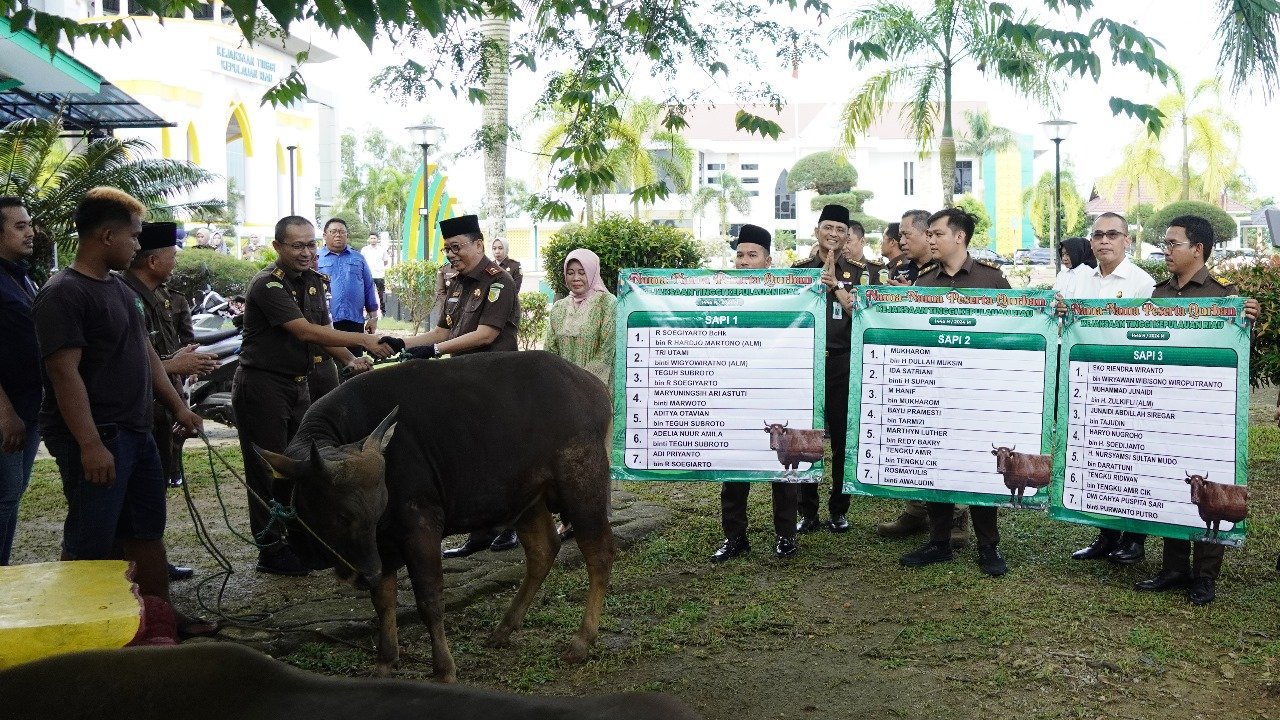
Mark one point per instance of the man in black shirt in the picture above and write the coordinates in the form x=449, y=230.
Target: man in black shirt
x=19, y=366
x=96, y=415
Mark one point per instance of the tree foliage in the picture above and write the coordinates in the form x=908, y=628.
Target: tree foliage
x=1039, y=201
x=534, y=313
x=727, y=191
x=828, y=172
x=1261, y=281
x=621, y=242
x=414, y=286
x=374, y=188
x=853, y=200
x=1224, y=226
x=982, y=221
x=51, y=173
x=197, y=269
x=918, y=53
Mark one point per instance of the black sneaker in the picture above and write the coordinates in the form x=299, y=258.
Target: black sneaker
x=928, y=554
x=991, y=561
x=278, y=559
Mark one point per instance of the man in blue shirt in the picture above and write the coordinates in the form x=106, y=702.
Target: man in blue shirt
x=353, y=302
x=19, y=366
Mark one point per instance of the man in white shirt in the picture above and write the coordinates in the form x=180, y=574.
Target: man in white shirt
x=1115, y=277
x=376, y=258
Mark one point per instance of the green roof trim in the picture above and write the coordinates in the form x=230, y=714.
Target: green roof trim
x=61, y=61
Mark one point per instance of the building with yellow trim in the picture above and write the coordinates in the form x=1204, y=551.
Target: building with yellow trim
x=198, y=72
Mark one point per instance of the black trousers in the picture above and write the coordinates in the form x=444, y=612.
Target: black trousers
x=733, y=508
x=322, y=378
x=1205, y=558
x=350, y=326
x=268, y=410
x=1116, y=537
x=168, y=445
x=836, y=415
x=381, y=284
x=984, y=522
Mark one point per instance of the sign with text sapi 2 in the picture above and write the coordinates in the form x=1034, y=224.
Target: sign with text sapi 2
x=244, y=65
x=720, y=375
x=1153, y=409
x=952, y=395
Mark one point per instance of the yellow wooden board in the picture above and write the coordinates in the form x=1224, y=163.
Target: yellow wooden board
x=60, y=607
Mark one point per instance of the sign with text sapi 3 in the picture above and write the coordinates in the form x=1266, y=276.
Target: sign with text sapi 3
x=952, y=395
x=720, y=375
x=1153, y=413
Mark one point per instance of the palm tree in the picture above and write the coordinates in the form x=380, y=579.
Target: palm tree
x=51, y=175
x=726, y=191
x=1142, y=173
x=1039, y=199
x=984, y=136
x=383, y=195
x=1208, y=133
x=923, y=52
x=629, y=137
x=494, y=130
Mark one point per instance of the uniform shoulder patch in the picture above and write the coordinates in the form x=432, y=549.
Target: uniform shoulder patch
x=278, y=273
x=927, y=268
x=273, y=283
x=493, y=270
x=858, y=264
x=324, y=277
x=990, y=264
x=1221, y=281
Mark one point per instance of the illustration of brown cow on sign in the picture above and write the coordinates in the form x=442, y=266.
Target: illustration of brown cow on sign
x=1217, y=502
x=794, y=446
x=1021, y=471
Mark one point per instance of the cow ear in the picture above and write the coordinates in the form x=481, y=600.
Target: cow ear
x=280, y=465
x=381, y=435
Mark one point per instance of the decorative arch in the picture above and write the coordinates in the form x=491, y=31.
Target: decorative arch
x=242, y=120
x=166, y=144
x=417, y=245
x=282, y=163
x=193, y=144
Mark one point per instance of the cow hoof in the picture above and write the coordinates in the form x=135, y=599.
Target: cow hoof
x=382, y=670
x=499, y=638
x=448, y=677
x=577, y=652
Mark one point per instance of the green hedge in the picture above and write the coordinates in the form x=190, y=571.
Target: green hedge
x=534, y=311
x=1261, y=281
x=621, y=242
x=1157, y=269
x=225, y=274
x=1224, y=226
x=414, y=285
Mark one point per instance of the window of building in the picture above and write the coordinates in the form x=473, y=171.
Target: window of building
x=715, y=166
x=908, y=178
x=713, y=180
x=750, y=166
x=964, y=177
x=750, y=180
x=753, y=193
x=784, y=203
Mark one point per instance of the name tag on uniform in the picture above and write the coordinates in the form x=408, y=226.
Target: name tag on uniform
x=837, y=310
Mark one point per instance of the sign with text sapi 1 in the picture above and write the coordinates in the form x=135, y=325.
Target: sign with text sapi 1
x=1153, y=410
x=952, y=397
x=719, y=375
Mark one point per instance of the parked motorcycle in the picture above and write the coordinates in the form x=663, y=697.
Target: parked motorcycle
x=210, y=396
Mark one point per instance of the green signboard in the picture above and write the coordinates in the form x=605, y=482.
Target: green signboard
x=948, y=386
x=719, y=375
x=1153, y=410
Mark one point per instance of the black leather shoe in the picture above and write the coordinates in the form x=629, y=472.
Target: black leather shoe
x=928, y=554
x=278, y=559
x=474, y=544
x=785, y=547
x=1099, y=548
x=1203, y=591
x=1164, y=580
x=179, y=572
x=505, y=541
x=991, y=561
x=1128, y=553
x=839, y=524
x=731, y=548
x=811, y=524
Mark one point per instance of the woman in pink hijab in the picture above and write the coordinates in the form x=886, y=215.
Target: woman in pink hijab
x=580, y=328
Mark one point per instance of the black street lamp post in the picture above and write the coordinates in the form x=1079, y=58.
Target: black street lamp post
x=423, y=136
x=292, y=194
x=1058, y=130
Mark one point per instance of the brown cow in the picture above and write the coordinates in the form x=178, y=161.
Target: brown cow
x=1021, y=471
x=222, y=681
x=794, y=446
x=1217, y=502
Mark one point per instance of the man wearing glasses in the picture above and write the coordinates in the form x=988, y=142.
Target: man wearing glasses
x=1115, y=277
x=353, y=302
x=481, y=314
x=285, y=310
x=1187, y=244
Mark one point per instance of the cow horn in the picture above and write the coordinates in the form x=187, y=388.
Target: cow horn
x=1015, y=447
x=280, y=465
x=786, y=423
x=1188, y=474
x=993, y=446
x=381, y=435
